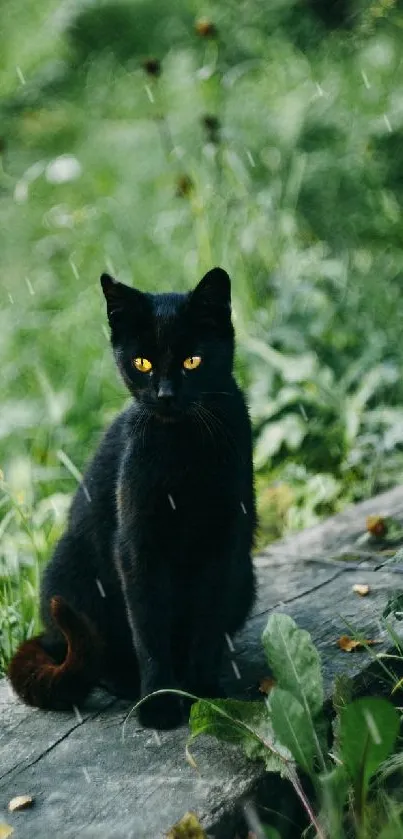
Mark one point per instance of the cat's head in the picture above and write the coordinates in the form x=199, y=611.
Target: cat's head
x=172, y=350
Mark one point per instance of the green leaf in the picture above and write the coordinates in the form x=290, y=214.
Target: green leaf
x=292, y=728
x=368, y=730
x=334, y=788
x=246, y=724
x=271, y=832
x=342, y=696
x=342, y=691
x=394, y=828
x=394, y=606
x=290, y=431
x=188, y=827
x=294, y=661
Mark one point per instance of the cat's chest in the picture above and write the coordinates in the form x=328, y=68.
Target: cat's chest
x=188, y=480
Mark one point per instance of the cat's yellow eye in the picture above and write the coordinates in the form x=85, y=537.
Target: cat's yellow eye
x=142, y=364
x=192, y=362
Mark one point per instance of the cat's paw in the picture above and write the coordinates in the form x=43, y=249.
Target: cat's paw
x=162, y=712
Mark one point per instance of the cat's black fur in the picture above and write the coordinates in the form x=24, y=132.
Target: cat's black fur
x=163, y=525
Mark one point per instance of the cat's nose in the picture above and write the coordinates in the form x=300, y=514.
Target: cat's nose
x=165, y=392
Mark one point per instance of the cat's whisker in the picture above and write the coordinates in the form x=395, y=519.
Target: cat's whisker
x=139, y=427
x=219, y=427
x=203, y=420
x=145, y=423
x=209, y=421
x=216, y=393
x=195, y=416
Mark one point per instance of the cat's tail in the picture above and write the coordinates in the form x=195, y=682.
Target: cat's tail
x=43, y=682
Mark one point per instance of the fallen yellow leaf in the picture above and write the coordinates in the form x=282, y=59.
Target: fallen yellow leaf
x=188, y=827
x=361, y=588
x=348, y=645
x=5, y=830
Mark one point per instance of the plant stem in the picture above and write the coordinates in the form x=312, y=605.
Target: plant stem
x=306, y=804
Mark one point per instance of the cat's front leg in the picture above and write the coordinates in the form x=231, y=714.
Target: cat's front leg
x=147, y=592
x=209, y=621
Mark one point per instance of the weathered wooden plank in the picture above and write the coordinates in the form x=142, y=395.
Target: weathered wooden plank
x=89, y=781
x=26, y=734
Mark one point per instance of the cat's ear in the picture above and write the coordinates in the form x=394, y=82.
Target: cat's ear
x=120, y=297
x=214, y=289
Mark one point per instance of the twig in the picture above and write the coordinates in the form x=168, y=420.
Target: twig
x=354, y=566
x=306, y=804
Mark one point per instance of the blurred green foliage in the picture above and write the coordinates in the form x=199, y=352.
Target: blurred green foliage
x=155, y=142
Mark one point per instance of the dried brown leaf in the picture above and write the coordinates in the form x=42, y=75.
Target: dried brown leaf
x=266, y=684
x=349, y=645
x=361, y=588
x=377, y=526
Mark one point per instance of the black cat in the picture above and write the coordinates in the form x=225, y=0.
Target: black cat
x=155, y=565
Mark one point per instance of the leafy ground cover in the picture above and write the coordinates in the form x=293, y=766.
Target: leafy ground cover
x=338, y=771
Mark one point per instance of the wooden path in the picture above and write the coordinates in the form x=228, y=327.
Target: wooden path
x=88, y=780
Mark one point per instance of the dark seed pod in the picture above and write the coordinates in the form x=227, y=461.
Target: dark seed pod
x=212, y=126
x=152, y=66
x=184, y=186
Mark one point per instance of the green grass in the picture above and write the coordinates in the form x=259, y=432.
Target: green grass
x=300, y=200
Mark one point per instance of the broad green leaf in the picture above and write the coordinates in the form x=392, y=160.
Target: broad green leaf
x=292, y=728
x=294, y=661
x=290, y=430
x=368, y=730
x=294, y=368
x=245, y=724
